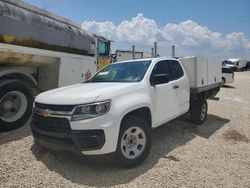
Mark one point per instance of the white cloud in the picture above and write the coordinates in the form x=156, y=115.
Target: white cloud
x=138, y=30
x=188, y=36
x=107, y=29
x=189, y=33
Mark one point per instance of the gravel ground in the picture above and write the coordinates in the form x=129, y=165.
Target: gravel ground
x=216, y=154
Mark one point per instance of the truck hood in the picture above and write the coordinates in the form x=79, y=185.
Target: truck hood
x=82, y=93
x=230, y=65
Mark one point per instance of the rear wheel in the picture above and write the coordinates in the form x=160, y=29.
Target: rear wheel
x=199, y=111
x=16, y=100
x=134, y=142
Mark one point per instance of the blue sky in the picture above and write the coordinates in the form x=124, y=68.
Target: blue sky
x=218, y=16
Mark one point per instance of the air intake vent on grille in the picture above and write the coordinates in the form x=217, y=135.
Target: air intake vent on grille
x=51, y=124
x=55, y=107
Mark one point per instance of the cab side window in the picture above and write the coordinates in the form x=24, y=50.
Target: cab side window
x=176, y=69
x=162, y=67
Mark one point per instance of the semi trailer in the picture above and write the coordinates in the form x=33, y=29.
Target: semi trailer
x=41, y=51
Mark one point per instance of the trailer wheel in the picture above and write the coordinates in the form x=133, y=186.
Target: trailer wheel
x=199, y=111
x=16, y=100
x=134, y=142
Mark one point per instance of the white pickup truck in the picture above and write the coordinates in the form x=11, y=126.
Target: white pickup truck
x=116, y=110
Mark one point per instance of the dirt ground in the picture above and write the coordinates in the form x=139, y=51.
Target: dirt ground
x=216, y=154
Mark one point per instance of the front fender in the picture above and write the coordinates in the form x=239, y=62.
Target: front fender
x=121, y=106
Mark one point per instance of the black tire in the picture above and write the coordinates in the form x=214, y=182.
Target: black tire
x=199, y=111
x=6, y=87
x=127, y=123
x=223, y=81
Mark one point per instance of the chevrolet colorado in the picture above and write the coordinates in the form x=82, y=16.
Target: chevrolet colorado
x=117, y=108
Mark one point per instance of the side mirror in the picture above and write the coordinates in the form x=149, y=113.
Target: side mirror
x=159, y=79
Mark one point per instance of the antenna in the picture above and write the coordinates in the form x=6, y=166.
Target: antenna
x=44, y=4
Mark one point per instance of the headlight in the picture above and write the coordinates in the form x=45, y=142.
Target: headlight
x=87, y=111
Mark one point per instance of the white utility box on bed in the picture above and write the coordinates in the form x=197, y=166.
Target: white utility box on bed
x=202, y=71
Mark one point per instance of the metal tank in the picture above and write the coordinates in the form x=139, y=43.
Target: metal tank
x=26, y=25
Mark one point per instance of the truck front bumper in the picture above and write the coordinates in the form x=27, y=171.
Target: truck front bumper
x=91, y=137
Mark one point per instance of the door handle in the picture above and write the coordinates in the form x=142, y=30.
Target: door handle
x=175, y=87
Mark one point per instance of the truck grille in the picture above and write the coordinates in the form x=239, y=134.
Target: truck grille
x=51, y=124
x=52, y=107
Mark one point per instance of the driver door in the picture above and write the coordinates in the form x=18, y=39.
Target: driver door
x=163, y=95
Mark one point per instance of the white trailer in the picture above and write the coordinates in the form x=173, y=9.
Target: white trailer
x=24, y=68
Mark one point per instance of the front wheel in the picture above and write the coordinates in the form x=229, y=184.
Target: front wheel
x=16, y=100
x=199, y=111
x=134, y=142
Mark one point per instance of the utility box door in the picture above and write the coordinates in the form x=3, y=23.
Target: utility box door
x=196, y=68
x=76, y=70
x=202, y=71
x=89, y=68
x=70, y=71
x=214, y=71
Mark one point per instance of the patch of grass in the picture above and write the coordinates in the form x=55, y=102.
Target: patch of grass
x=235, y=135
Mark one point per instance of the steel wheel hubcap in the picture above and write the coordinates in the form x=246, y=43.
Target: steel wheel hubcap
x=203, y=112
x=12, y=106
x=133, y=142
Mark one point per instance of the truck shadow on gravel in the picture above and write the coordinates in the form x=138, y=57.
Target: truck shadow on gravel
x=14, y=135
x=165, y=139
x=229, y=87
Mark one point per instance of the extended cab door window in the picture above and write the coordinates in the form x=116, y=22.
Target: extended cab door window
x=180, y=86
x=162, y=67
x=176, y=69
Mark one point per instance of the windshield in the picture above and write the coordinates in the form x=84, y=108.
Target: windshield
x=122, y=72
x=229, y=63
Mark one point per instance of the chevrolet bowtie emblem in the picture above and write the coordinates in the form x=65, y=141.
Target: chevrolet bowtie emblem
x=45, y=113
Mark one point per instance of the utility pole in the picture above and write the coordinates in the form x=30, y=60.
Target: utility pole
x=133, y=50
x=173, y=51
x=152, y=52
x=155, y=49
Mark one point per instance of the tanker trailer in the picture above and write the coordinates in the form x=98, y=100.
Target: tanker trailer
x=39, y=51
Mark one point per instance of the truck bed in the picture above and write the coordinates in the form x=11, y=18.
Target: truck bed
x=204, y=73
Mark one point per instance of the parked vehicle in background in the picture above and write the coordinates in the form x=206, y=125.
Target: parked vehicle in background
x=122, y=55
x=40, y=51
x=227, y=75
x=237, y=64
x=115, y=111
x=248, y=65
x=103, y=56
x=229, y=64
